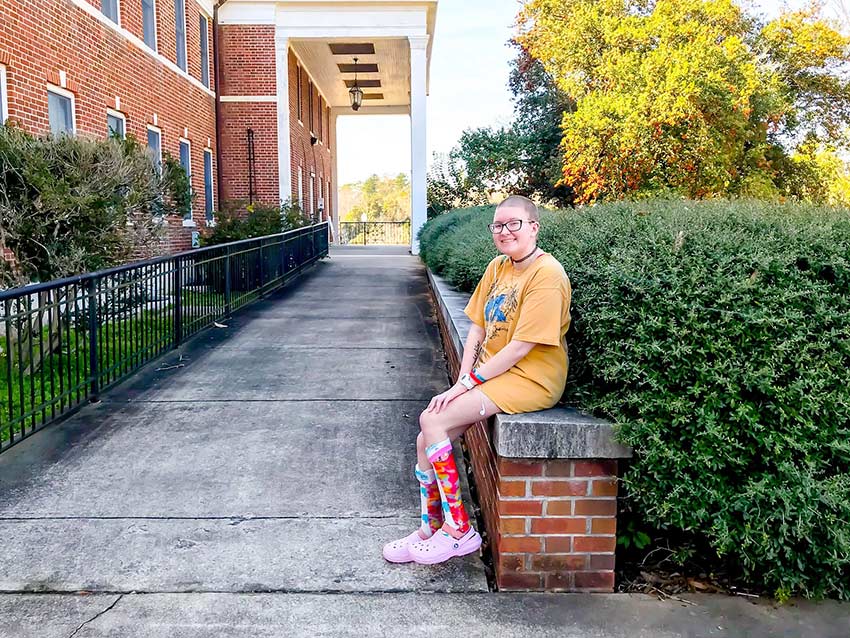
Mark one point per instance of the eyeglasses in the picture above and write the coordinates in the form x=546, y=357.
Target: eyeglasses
x=512, y=225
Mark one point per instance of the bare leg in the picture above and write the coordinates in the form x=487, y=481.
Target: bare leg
x=452, y=421
x=447, y=426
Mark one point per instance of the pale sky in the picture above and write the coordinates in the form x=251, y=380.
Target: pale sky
x=469, y=88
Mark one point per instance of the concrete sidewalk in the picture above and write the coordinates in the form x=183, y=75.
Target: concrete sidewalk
x=248, y=493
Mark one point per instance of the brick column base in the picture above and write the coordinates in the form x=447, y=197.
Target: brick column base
x=552, y=522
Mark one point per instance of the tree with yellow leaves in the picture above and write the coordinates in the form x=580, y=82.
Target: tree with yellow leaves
x=691, y=96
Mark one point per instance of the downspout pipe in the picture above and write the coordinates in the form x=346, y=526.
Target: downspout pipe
x=217, y=76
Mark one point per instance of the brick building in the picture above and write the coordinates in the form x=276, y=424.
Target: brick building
x=245, y=93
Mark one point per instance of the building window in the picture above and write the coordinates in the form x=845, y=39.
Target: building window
x=186, y=163
x=298, y=96
x=321, y=117
x=208, y=185
x=155, y=147
x=149, y=23
x=205, y=51
x=4, y=104
x=321, y=201
x=116, y=124
x=180, y=31
x=60, y=111
x=312, y=210
x=328, y=112
x=310, y=103
x=301, y=188
x=110, y=10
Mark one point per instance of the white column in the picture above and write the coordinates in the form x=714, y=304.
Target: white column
x=334, y=173
x=418, y=153
x=284, y=150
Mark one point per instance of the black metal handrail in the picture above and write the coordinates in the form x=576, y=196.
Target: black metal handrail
x=375, y=232
x=64, y=341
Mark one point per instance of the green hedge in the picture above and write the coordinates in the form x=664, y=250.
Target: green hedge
x=716, y=335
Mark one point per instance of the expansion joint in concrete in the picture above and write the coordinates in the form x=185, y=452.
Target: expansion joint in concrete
x=328, y=400
x=235, y=520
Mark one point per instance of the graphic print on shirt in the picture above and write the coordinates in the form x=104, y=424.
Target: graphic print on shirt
x=499, y=311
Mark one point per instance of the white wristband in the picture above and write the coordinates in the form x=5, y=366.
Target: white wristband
x=467, y=382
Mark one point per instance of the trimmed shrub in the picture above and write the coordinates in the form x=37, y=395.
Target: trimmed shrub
x=239, y=221
x=716, y=335
x=71, y=204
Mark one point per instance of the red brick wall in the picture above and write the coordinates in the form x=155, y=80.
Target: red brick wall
x=8, y=257
x=38, y=38
x=247, y=68
x=247, y=59
x=315, y=158
x=236, y=119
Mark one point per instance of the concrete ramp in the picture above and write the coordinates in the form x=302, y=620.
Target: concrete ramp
x=277, y=458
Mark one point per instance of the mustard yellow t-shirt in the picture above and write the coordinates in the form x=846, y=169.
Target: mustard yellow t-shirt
x=531, y=305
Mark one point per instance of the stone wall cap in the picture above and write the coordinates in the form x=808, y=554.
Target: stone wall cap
x=550, y=434
x=556, y=433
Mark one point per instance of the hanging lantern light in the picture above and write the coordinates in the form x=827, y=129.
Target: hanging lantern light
x=355, y=92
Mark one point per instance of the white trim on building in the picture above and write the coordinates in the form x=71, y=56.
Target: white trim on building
x=412, y=21
x=4, y=95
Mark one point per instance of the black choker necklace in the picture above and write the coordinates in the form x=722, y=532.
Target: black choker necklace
x=516, y=261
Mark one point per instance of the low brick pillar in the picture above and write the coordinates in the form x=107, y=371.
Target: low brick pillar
x=546, y=483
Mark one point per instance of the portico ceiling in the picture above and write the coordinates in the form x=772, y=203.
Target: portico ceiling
x=391, y=81
x=381, y=32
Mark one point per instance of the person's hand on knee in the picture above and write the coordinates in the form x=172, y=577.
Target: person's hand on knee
x=442, y=400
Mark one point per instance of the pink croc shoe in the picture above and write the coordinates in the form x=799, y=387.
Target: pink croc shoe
x=399, y=551
x=441, y=547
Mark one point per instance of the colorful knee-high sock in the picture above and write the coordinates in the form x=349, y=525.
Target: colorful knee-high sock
x=429, y=501
x=440, y=455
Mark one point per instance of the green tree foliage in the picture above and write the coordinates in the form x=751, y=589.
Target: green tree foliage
x=379, y=198
x=237, y=221
x=449, y=185
x=715, y=335
x=690, y=95
x=70, y=205
x=539, y=108
x=522, y=158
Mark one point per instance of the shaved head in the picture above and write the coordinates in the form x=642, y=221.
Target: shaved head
x=523, y=203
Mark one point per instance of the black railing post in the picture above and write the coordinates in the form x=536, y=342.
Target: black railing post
x=177, y=284
x=262, y=270
x=94, y=355
x=227, y=289
x=7, y=317
x=283, y=259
